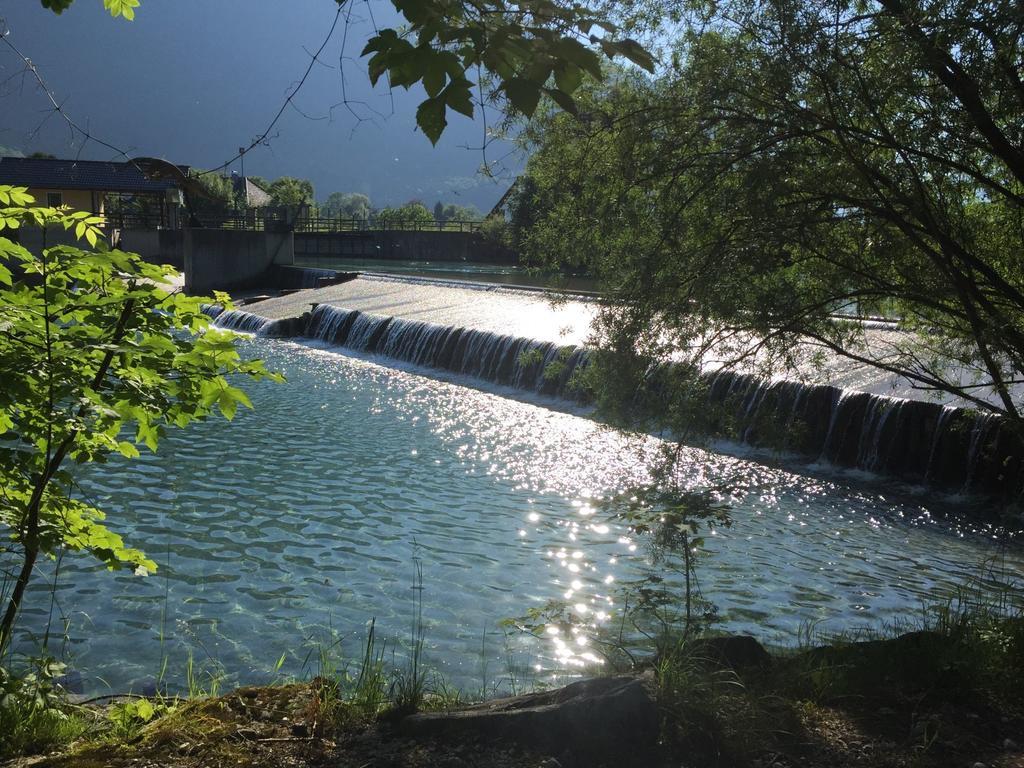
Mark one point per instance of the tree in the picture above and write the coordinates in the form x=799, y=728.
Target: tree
x=291, y=191
x=453, y=212
x=216, y=192
x=347, y=205
x=413, y=212
x=533, y=48
x=97, y=357
x=806, y=157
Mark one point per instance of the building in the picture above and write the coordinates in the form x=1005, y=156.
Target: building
x=253, y=195
x=125, y=191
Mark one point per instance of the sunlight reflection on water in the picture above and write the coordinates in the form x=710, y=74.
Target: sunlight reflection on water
x=299, y=521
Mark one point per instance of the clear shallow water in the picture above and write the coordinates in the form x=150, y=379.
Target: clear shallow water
x=302, y=518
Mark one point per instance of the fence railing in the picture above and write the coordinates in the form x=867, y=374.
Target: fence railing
x=325, y=224
x=259, y=220
x=133, y=220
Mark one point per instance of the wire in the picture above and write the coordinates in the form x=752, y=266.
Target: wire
x=288, y=101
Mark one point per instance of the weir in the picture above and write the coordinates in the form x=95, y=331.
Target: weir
x=955, y=449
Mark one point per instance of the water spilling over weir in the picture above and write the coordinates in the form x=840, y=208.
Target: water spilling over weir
x=955, y=449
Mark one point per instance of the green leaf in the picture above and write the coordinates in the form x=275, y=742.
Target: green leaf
x=144, y=710
x=563, y=100
x=430, y=117
x=635, y=52
x=523, y=94
x=123, y=8
x=128, y=450
x=568, y=78
x=459, y=96
x=434, y=77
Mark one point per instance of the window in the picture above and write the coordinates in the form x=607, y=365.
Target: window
x=54, y=199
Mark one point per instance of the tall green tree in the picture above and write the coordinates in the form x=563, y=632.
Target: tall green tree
x=347, y=205
x=97, y=357
x=288, y=190
x=413, y=212
x=806, y=157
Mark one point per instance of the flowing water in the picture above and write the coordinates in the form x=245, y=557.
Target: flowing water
x=300, y=521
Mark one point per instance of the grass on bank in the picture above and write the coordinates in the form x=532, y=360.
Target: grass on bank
x=947, y=689
x=944, y=689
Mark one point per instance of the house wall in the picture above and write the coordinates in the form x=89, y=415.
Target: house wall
x=78, y=199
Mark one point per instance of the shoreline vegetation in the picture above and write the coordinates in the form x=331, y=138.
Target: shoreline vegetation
x=946, y=689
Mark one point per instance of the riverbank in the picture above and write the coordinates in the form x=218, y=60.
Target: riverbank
x=924, y=698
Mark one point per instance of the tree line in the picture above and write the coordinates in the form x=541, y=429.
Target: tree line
x=224, y=192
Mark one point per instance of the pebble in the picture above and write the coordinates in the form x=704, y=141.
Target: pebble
x=979, y=765
x=1011, y=746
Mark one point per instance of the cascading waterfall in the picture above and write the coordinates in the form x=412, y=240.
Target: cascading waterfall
x=954, y=448
x=922, y=442
x=243, y=322
x=513, y=361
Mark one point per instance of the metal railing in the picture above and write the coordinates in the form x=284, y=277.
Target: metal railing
x=328, y=224
x=260, y=220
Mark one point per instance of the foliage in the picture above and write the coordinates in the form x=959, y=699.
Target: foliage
x=97, y=357
x=216, y=193
x=409, y=687
x=34, y=716
x=496, y=230
x=288, y=190
x=670, y=520
x=129, y=716
x=346, y=205
x=411, y=213
x=532, y=48
x=662, y=608
x=453, y=212
x=803, y=157
x=123, y=8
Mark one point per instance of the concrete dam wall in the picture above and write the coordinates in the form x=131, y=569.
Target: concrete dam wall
x=955, y=449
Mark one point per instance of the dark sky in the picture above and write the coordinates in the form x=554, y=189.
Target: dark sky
x=193, y=80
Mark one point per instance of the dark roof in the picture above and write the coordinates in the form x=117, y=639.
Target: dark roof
x=97, y=175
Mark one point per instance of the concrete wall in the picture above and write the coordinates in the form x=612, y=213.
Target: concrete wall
x=224, y=259
x=32, y=237
x=157, y=246
x=405, y=246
